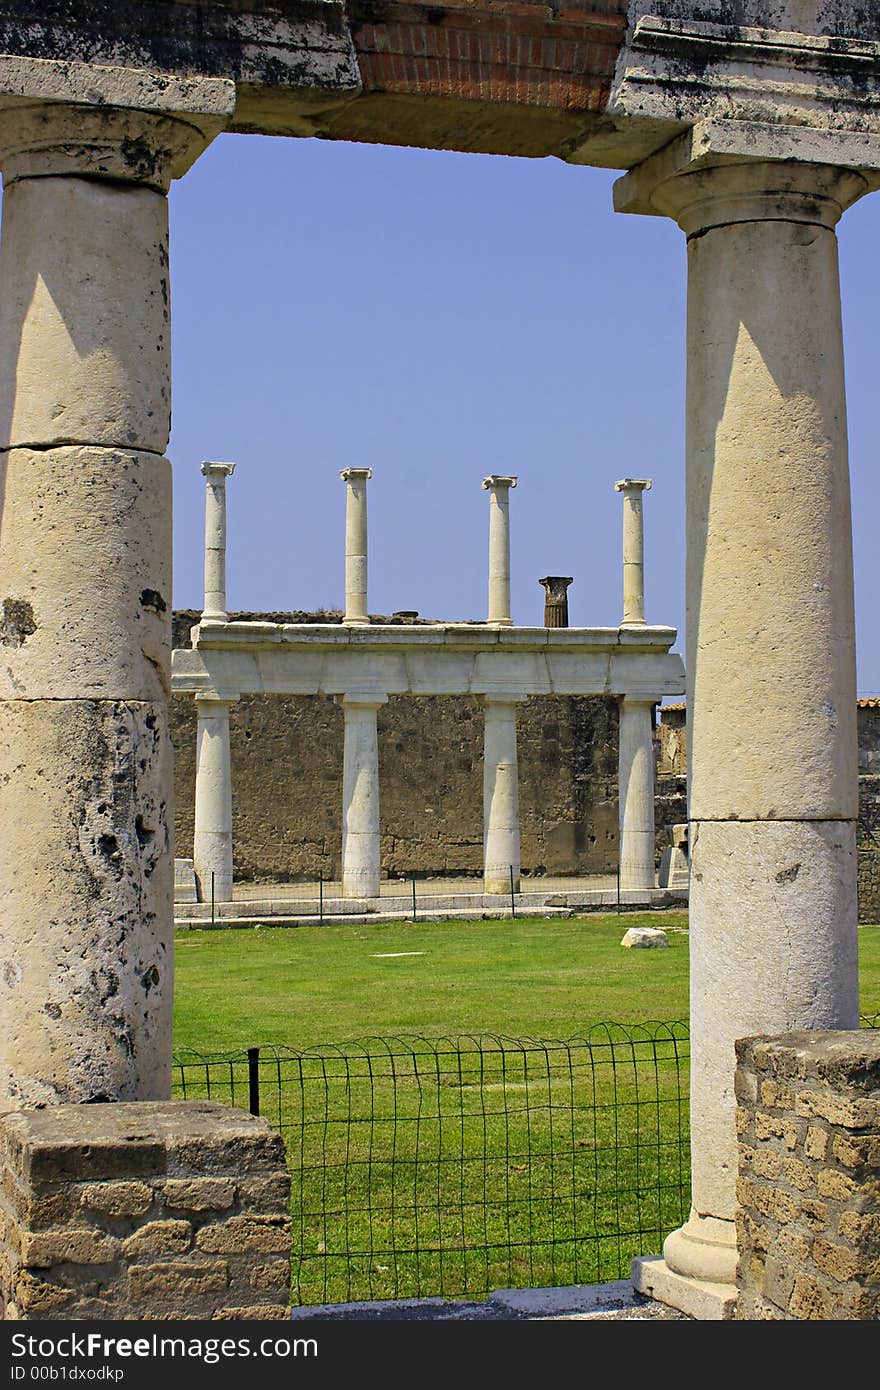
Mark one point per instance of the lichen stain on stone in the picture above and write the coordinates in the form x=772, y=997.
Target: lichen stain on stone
x=17, y=623
x=788, y=875
x=151, y=598
x=12, y=974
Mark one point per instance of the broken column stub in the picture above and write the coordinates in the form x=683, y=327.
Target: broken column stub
x=85, y=860
x=556, y=599
x=772, y=779
x=153, y=1210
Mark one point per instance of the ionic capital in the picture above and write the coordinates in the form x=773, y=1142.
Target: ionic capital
x=499, y=480
x=356, y=475
x=632, y=485
x=218, y=471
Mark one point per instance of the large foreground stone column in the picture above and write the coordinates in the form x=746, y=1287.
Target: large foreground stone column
x=356, y=605
x=498, y=488
x=360, y=796
x=212, y=837
x=770, y=649
x=85, y=586
x=501, y=851
x=636, y=789
x=216, y=475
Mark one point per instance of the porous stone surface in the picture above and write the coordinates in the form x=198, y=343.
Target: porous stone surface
x=808, y=1222
x=645, y=938
x=55, y=500
x=88, y=1011
x=150, y=1210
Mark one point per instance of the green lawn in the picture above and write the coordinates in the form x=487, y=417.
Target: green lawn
x=531, y=977
x=433, y=1167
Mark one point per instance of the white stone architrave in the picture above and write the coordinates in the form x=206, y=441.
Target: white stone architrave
x=770, y=642
x=86, y=854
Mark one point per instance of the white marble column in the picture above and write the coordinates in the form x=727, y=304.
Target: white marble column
x=501, y=852
x=212, y=838
x=86, y=791
x=633, y=548
x=361, y=841
x=216, y=475
x=773, y=793
x=498, y=488
x=636, y=791
x=356, y=611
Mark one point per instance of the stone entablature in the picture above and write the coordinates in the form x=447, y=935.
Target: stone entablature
x=169, y=1209
x=232, y=659
x=808, y=1223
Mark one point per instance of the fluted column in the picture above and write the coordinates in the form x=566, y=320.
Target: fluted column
x=770, y=645
x=633, y=548
x=212, y=838
x=501, y=841
x=636, y=789
x=556, y=599
x=498, y=488
x=215, y=475
x=361, y=866
x=356, y=611
x=86, y=793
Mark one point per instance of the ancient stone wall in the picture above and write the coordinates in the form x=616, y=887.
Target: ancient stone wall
x=145, y=1210
x=808, y=1227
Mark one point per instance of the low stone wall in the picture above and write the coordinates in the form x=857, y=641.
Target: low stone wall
x=143, y=1210
x=808, y=1226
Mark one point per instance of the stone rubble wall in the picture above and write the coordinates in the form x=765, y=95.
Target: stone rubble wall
x=144, y=1210
x=808, y=1224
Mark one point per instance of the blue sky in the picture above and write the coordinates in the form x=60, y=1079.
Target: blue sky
x=438, y=317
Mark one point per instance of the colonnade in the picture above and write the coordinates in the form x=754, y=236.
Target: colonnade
x=361, y=833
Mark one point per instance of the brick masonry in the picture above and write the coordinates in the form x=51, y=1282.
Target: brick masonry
x=808, y=1225
x=147, y=1210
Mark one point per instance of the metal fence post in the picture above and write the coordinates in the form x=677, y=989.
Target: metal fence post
x=415, y=914
x=212, y=897
x=512, y=895
x=253, y=1056
x=321, y=897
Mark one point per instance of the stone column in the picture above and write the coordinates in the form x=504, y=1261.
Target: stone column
x=356, y=611
x=500, y=794
x=360, y=796
x=636, y=789
x=212, y=838
x=556, y=600
x=770, y=645
x=633, y=548
x=215, y=539
x=86, y=859
x=498, y=488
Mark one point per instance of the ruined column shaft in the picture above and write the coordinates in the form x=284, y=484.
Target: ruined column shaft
x=501, y=838
x=86, y=858
x=633, y=548
x=636, y=789
x=356, y=602
x=212, y=838
x=498, y=488
x=360, y=798
x=216, y=475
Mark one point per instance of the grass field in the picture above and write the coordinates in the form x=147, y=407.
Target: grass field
x=459, y=1164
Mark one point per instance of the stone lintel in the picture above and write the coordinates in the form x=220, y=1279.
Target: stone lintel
x=32, y=81
x=714, y=143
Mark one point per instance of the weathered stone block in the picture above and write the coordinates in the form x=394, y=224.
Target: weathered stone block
x=110, y=1249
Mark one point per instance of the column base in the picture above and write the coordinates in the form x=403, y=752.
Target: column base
x=699, y=1298
x=500, y=886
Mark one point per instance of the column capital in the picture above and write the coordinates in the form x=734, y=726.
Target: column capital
x=225, y=698
x=362, y=699
x=218, y=470
x=117, y=124
x=723, y=171
x=356, y=475
x=498, y=480
x=632, y=485
x=502, y=697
